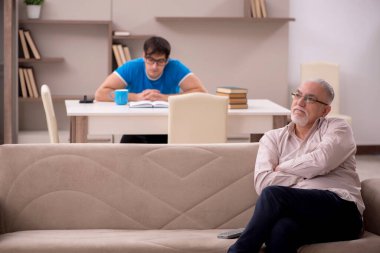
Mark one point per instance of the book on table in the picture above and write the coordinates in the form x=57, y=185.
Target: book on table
x=233, y=101
x=237, y=106
x=231, y=89
x=148, y=104
x=232, y=95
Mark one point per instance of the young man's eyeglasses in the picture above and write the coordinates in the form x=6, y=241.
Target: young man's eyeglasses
x=150, y=60
x=309, y=99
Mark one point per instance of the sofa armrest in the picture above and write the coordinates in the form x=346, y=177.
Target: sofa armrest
x=371, y=197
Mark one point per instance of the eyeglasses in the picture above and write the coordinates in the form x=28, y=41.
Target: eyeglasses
x=309, y=99
x=150, y=60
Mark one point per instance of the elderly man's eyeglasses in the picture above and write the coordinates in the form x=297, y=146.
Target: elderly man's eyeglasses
x=309, y=99
x=150, y=60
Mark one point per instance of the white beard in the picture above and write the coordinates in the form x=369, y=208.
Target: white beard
x=300, y=121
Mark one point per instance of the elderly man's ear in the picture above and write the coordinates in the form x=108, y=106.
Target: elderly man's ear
x=326, y=110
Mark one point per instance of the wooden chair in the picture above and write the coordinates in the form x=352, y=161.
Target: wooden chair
x=51, y=120
x=197, y=118
x=330, y=73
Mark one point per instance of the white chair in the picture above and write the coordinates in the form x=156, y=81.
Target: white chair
x=330, y=73
x=197, y=118
x=51, y=120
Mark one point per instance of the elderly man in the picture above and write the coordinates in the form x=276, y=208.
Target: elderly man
x=305, y=176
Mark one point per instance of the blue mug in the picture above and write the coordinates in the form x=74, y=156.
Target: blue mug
x=121, y=96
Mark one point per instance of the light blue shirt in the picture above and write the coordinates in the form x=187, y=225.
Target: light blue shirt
x=134, y=75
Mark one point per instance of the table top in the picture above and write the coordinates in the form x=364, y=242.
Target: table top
x=255, y=107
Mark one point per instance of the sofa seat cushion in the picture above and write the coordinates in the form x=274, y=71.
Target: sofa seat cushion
x=108, y=240
x=368, y=243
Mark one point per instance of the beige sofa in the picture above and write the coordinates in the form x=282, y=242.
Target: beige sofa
x=137, y=198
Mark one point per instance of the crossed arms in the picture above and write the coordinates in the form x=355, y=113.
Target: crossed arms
x=334, y=145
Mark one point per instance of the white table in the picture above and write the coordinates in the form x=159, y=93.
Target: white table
x=102, y=118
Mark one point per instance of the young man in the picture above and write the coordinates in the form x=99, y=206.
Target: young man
x=153, y=77
x=305, y=175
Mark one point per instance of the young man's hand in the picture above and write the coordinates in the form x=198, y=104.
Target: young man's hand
x=153, y=95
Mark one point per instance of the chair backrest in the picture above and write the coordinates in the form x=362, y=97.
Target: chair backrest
x=326, y=71
x=50, y=114
x=197, y=118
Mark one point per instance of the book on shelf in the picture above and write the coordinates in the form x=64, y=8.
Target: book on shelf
x=253, y=8
x=121, y=33
x=121, y=52
x=116, y=54
x=263, y=8
x=127, y=53
x=32, y=82
x=238, y=106
x=24, y=46
x=148, y=104
x=232, y=95
x=28, y=83
x=32, y=45
x=21, y=76
x=258, y=9
x=231, y=89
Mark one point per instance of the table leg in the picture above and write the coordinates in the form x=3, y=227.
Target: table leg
x=78, y=129
x=278, y=121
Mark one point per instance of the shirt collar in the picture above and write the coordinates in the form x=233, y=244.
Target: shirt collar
x=317, y=124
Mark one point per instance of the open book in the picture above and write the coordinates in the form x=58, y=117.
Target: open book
x=148, y=104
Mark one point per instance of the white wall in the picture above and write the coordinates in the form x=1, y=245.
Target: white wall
x=347, y=33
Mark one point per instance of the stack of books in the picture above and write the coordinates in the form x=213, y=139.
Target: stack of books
x=121, y=54
x=28, y=86
x=258, y=9
x=237, y=97
x=27, y=45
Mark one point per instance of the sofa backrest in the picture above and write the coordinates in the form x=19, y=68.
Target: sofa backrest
x=121, y=186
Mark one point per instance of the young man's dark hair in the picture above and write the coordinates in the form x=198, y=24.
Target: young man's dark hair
x=157, y=45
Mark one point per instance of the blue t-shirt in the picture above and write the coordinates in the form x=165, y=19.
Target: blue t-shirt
x=134, y=75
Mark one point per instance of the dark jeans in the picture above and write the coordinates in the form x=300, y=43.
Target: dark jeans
x=152, y=138
x=286, y=218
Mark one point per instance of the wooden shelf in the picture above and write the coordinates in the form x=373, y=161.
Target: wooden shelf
x=57, y=98
x=231, y=19
x=65, y=22
x=42, y=60
x=132, y=37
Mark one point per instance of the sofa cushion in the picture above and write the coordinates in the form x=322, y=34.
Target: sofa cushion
x=110, y=241
x=368, y=243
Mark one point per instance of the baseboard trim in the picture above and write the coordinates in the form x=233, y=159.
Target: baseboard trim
x=368, y=150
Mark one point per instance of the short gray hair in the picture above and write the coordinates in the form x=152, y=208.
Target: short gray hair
x=327, y=87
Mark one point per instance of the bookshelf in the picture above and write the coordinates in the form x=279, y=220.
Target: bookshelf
x=60, y=66
x=132, y=41
x=58, y=98
x=42, y=60
x=132, y=37
x=230, y=19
